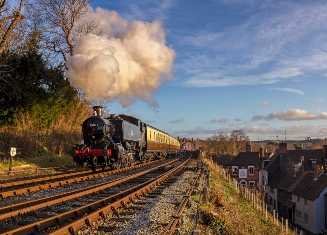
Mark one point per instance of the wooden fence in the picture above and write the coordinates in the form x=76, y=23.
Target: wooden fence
x=257, y=200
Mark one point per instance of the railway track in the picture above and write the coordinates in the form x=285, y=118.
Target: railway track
x=157, y=211
x=73, y=210
x=12, y=189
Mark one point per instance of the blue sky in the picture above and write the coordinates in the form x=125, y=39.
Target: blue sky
x=257, y=65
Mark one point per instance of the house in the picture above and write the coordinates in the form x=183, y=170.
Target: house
x=295, y=185
x=187, y=144
x=309, y=196
x=244, y=168
x=222, y=161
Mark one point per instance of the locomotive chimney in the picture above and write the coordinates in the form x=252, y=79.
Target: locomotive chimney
x=97, y=110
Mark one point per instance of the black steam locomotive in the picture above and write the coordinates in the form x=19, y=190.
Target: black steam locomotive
x=119, y=141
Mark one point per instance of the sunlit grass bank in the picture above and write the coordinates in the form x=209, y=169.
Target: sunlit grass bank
x=225, y=212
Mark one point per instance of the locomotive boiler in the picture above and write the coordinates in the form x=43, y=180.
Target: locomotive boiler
x=119, y=141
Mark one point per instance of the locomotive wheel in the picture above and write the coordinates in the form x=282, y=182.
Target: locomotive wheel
x=103, y=166
x=104, y=163
x=124, y=163
x=145, y=158
x=117, y=165
x=93, y=168
x=94, y=164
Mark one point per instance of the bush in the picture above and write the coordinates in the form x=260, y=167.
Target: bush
x=217, y=226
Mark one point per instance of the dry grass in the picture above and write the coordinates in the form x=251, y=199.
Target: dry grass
x=32, y=140
x=46, y=161
x=225, y=212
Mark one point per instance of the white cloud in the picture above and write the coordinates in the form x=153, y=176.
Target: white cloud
x=148, y=9
x=178, y=120
x=281, y=73
x=291, y=90
x=265, y=103
x=222, y=120
x=216, y=79
x=316, y=100
x=292, y=115
x=322, y=115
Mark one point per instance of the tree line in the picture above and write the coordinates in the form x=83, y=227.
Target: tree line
x=39, y=111
x=224, y=144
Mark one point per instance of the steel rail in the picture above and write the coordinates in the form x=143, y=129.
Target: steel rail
x=87, y=176
x=87, y=220
x=13, y=211
x=93, y=210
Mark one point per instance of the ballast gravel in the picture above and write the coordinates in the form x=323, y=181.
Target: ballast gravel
x=156, y=215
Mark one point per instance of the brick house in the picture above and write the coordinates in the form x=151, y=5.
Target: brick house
x=296, y=187
x=244, y=168
x=186, y=144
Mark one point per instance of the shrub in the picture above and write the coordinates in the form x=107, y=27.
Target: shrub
x=213, y=222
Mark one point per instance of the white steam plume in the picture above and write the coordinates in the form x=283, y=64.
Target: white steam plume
x=126, y=63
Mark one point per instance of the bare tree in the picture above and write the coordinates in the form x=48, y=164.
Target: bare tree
x=8, y=21
x=65, y=22
x=219, y=144
x=239, y=138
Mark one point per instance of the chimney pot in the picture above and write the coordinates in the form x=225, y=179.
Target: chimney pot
x=248, y=147
x=324, y=150
x=283, y=147
x=261, y=152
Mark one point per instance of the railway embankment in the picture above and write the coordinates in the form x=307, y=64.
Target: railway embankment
x=223, y=209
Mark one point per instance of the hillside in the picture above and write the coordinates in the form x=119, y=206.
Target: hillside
x=226, y=212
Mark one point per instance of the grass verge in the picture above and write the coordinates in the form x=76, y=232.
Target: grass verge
x=225, y=212
x=44, y=161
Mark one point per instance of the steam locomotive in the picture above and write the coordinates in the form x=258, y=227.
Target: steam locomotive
x=119, y=141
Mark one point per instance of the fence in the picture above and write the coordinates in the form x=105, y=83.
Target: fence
x=256, y=199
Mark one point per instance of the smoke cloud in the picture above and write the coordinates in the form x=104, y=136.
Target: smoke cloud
x=128, y=62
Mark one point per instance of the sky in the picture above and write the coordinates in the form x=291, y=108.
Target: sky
x=200, y=68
